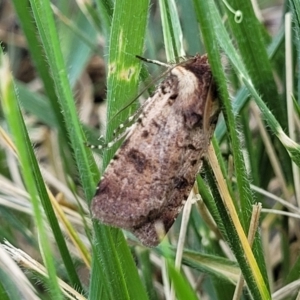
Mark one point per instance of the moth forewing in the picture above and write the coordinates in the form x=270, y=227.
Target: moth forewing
x=154, y=170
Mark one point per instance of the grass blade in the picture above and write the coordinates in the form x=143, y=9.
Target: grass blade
x=35, y=186
x=126, y=41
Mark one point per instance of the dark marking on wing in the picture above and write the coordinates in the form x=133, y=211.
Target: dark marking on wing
x=191, y=146
x=138, y=159
x=145, y=133
x=157, y=125
x=174, y=96
x=180, y=183
x=193, y=162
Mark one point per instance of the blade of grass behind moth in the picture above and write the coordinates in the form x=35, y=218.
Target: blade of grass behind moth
x=289, y=93
x=221, y=162
x=242, y=96
x=236, y=235
x=78, y=44
x=254, y=54
x=51, y=45
x=105, y=11
x=190, y=27
x=295, y=5
x=207, y=13
x=174, y=48
x=34, y=184
x=223, y=38
x=36, y=104
x=213, y=52
x=212, y=200
x=209, y=200
x=90, y=12
x=171, y=30
x=147, y=269
x=290, y=145
x=219, y=268
x=126, y=40
x=295, y=8
x=81, y=29
x=223, y=271
x=181, y=285
x=30, y=31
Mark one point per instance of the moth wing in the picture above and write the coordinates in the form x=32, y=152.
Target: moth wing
x=132, y=189
x=147, y=233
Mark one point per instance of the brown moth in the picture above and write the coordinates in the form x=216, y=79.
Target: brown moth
x=151, y=175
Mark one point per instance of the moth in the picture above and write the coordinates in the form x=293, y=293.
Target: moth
x=151, y=175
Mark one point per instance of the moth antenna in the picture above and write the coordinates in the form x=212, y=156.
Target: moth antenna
x=153, y=61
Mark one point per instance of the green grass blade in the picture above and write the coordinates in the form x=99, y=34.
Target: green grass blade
x=27, y=22
x=242, y=178
x=126, y=41
x=105, y=11
x=171, y=30
x=37, y=104
x=255, y=55
x=190, y=27
x=182, y=288
x=219, y=267
x=295, y=5
x=242, y=96
x=51, y=46
x=147, y=269
x=8, y=290
x=78, y=44
x=29, y=166
x=115, y=282
x=209, y=18
x=89, y=10
x=292, y=147
x=83, y=35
